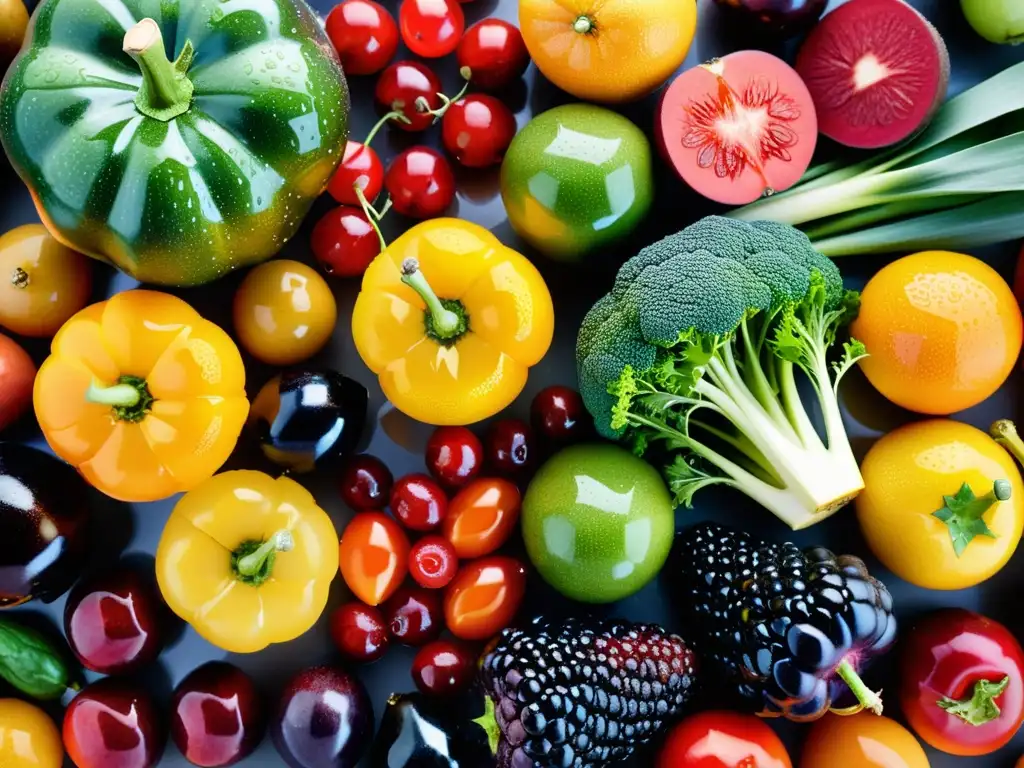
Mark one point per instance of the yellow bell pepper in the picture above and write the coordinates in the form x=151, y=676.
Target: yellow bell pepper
x=142, y=395
x=451, y=321
x=247, y=560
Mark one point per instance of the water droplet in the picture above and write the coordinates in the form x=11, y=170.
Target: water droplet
x=247, y=68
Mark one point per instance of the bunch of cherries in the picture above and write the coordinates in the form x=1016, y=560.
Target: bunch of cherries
x=462, y=515
x=476, y=128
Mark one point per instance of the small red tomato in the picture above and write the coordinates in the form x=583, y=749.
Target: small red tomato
x=373, y=556
x=962, y=682
x=492, y=54
x=359, y=632
x=508, y=447
x=365, y=482
x=454, y=455
x=558, y=414
x=113, y=723
x=482, y=516
x=360, y=167
x=484, y=597
x=412, y=89
x=17, y=376
x=723, y=740
x=344, y=242
x=414, y=615
x=477, y=130
x=421, y=183
x=418, y=502
x=433, y=562
x=443, y=668
x=431, y=28
x=364, y=34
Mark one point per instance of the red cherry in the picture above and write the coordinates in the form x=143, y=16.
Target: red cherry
x=421, y=183
x=433, y=562
x=364, y=34
x=431, y=28
x=558, y=413
x=418, y=502
x=113, y=723
x=509, y=447
x=359, y=632
x=365, y=483
x=414, y=615
x=443, y=667
x=477, y=130
x=454, y=456
x=360, y=167
x=492, y=54
x=401, y=86
x=344, y=242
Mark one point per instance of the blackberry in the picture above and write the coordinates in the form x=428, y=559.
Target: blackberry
x=789, y=629
x=581, y=694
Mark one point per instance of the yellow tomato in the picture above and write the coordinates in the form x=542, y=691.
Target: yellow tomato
x=608, y=50
x=943, y=331
x=13, y=22
x=28, y=737
x=861, y=741
x=908, y=474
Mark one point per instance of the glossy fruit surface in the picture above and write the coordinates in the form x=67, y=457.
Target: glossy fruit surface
x=433, y=562
x=861, y=741
x=404, y=84
x=217, y=715
x=943, y=329
x=364, y=34
x=13, y=23
x=365, y=482
x=373, y=556
x=443, y=668
x=325, y=718
x=419, y=731
x=492, y=54
x=477, y=130
x=115, y=623
x=360, y=167
x=42, y=282
x=114, y=723
x=28, y=737
x=484, y=597
x=414, y=615
x=558, y=414
x=998, y=21
x=723, y=740
x=608, y=50
x=454, y=456
x=284, y=312
x=431, y=28
x=509, y=447
x=17, y=375
x=344, y=242
x=594, y=166
x=359, y=632
x=420, y=183
x=418, y=502
x=956, y=665
x=597, y=522
x=907, y=475
x=776, y=18
x=482, y=517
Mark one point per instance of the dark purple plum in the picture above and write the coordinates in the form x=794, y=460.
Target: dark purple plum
x=775, y=18
x=325, y=719
x=114, y=723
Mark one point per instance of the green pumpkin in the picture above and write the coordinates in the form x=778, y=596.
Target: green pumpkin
x=175, y=139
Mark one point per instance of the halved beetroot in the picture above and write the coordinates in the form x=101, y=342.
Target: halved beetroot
x=877, y=71
x=738, y=128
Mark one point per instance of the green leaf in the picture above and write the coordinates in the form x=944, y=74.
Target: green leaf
x=980, y=707
x=963, y=512
x=684, y=480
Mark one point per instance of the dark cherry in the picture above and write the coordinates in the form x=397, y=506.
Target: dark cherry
x=113, y=723
x=509, y=447
x=359, y=632
x=444, y=667
x=325, y=718
x=217, y=715
x=418, y=503
x=414, y=615
x=559, y=415
x=407, y=87
x=454, y=456
x=116, y=622
x=365, y=483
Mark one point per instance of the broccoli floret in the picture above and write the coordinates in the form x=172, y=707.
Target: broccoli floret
x=696, y=348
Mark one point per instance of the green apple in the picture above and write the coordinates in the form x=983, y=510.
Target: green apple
x=598, y=522
x=999, y=21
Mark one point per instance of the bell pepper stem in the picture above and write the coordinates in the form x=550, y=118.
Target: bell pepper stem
x=583, y=25
x=166, y=91
x=250, y=565
x=393, y=115
x=868, y=698
x=446, y=322
x=116, y=395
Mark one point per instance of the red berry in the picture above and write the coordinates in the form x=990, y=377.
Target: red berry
x=454, y=456
x=509, y=447
x=433, y=562
x=444, y=667
x=414, y=615
x=558, y=413
x=421, y=183
x=477, y=130
x=364, y=34
x=418, y=502
x=431, y=28
x=365, y=483
x=359, y=632
x=344, y=242
x=401, y=86
x=492, y=54
x=360, y=167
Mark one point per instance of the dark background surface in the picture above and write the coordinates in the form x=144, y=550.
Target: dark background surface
x=133, y=530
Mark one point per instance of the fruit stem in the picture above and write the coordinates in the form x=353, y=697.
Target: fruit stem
x=166, y=91
x=393, y=115
x=869, y=699
x=372, y=215
x=424, y=108
x=583, y=25
x=254, y=563
x=20, y=278
x=1005, y=433
x=445, y=324
x=129, y=399
x=489, y=723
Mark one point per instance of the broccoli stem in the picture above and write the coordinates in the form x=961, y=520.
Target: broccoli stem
x=795, y=408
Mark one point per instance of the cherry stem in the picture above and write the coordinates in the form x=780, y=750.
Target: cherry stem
x=251, y=564
x=446, y=322
x=393, y=115
x=424, y=108
x=868, y=698
x=371, y=213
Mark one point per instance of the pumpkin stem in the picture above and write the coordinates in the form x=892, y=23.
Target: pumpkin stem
x=166, y=91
